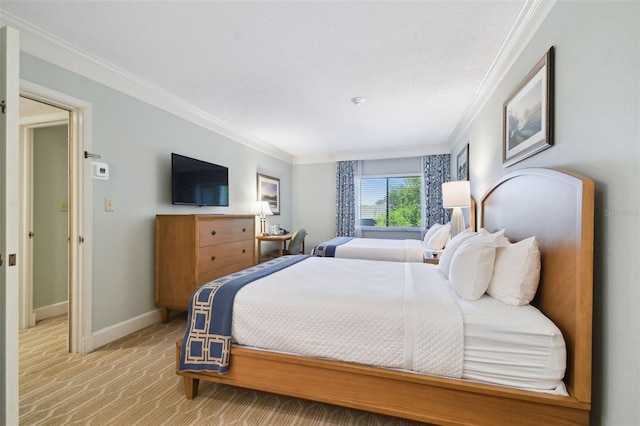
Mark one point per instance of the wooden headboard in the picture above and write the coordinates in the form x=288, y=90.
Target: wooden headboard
x=557, y=207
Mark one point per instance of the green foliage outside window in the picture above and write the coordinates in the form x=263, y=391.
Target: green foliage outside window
x=403, y=202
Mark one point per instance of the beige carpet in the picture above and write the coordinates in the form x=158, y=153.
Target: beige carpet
x=133, y=382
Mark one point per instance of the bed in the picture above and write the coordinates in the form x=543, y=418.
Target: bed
x=394, y=250
x=372, y=249
x=520, y=202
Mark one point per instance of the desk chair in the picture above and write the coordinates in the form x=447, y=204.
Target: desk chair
x=296, y=245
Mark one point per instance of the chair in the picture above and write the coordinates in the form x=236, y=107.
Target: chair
x=296, y=245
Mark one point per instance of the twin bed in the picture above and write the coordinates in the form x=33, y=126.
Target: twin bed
x=408, y=250
x=372, y=249
x=500, y=364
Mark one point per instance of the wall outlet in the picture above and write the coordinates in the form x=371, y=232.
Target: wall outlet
x=109, y=205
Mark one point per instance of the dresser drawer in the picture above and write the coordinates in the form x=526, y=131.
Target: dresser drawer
x=221, y=272
x=214, y=257
x=212, y=232
x=185, y=246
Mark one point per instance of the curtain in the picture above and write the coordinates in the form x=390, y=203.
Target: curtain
x=436, y=171
x=346, y=198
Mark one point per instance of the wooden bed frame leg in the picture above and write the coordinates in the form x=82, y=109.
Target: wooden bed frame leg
x=191, y=387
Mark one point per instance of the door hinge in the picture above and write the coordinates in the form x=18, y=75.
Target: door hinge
x=3, y=105
x=31, y=234
x=80, y=239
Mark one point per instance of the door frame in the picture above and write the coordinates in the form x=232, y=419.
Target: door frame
x=9, y=216
x=80, y=211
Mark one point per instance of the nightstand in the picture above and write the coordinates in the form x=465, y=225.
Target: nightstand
x=427, y=258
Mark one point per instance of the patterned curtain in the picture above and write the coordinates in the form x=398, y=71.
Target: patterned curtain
x=346, y=198
x=436, y=170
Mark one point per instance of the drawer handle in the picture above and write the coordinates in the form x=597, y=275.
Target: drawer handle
x=244, y=250
x=213, y=232
x=213, y=258
x=244, y=229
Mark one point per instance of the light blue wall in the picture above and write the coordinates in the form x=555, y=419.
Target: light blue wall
x=597, y=116
x=136, y=140
x=50, y=245
x=314, y=188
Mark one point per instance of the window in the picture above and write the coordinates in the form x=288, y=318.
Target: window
x=390, y=202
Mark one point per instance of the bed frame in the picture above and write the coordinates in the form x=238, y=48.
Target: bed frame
x=557, y=207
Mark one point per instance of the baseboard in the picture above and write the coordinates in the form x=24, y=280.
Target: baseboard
x=54, y=310
x=117, y=331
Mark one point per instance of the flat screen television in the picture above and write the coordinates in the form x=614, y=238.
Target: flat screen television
x=198, y=183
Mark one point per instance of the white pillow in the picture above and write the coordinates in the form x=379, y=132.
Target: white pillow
x=439, y=238
x=451, y=247
x=472, y=266
x=516, y=273
x=432, y=231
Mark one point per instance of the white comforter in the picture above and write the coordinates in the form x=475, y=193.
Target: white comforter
x=388, y=314
x=382, y=249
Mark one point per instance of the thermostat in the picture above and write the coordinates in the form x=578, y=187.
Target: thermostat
x=100, y=170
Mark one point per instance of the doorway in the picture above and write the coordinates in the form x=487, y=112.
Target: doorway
x=45, y=187
x=77, y=113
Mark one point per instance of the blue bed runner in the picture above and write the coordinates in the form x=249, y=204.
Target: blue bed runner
x=207, y=342
x=328, y=248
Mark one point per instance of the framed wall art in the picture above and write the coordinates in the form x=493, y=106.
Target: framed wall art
x=528, y=114
x=462, y=164
x=269, y=190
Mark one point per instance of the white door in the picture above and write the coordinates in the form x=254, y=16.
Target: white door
x=9, y=201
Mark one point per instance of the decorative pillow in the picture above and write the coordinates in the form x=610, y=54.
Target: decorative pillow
x=432, y=231
x=472, y=266
x=450, y=249
x=516, y=273
x=439, y=238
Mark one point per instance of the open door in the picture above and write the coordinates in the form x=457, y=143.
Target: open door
x=9, y=201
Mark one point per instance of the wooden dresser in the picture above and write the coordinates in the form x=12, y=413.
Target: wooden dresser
x=194, y=249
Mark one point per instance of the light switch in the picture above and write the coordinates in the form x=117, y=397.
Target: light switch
x=109, y=205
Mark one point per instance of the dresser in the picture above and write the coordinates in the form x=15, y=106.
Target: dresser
x=194, y=249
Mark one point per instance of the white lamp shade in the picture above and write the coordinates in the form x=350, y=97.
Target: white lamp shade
x=262, y=208
x=456, y=194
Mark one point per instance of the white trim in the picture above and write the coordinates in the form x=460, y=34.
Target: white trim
x=51, y=311
x=10, y=215
x=25, y=277
x=117, y=331
x=531, y=16
x=80, y=208
x=45, y=120
x=45, y=46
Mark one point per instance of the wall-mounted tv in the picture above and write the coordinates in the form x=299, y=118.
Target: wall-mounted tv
x=198, y=183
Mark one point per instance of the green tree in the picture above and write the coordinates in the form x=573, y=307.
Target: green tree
x=403, y=203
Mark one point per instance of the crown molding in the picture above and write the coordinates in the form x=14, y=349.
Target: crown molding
x=531, y=16
x=401, y=152
x=45, y=46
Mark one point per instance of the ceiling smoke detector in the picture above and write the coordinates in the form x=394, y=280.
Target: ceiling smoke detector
x=357, y=100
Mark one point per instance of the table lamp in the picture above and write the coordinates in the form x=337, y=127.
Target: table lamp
x=456, y=195
x=262, y=210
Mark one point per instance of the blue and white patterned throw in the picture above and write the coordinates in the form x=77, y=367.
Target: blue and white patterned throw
x=207, y=342
x=328, y=249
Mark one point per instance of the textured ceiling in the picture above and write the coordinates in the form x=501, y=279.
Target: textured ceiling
x=284, y=71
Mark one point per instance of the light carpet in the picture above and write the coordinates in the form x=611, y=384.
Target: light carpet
x=132, y=382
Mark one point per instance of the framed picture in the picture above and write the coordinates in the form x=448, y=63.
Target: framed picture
x=269, y=190
x=528, y=114
x=462, y=163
